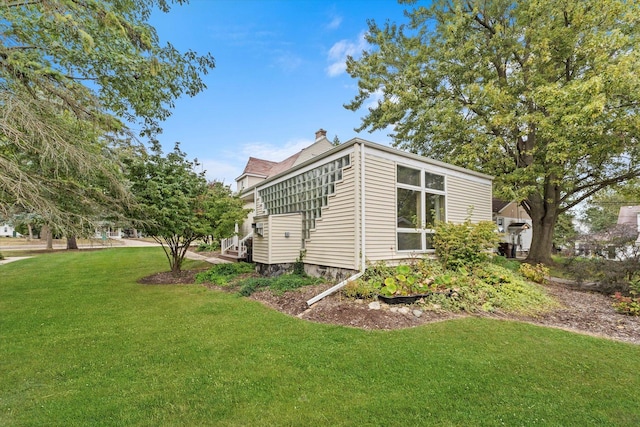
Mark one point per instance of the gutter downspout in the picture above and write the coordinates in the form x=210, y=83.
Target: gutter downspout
x=363, y=233
x=363, y=265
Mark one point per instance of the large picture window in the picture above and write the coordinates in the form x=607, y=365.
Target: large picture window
x=420, y=201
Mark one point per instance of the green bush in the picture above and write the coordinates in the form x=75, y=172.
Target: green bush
x=252, y=284
x=222, y=274
x=482, y=287
x=537, y=273
x=360, y=288
x=208, y=247
x=277, y=285
x=465, y=244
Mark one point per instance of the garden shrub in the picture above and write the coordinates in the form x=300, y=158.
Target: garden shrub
x=208, y=247
x=465, y=244
x=536, y=273
x=364, y=289
x=482, y=287
x=277, y=285
x=222, y=274
x=627, y=304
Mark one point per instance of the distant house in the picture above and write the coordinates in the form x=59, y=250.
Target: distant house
x=515, y=223
x=7, y=230
x=340, y=207
x=630, y=216
x=107, y=231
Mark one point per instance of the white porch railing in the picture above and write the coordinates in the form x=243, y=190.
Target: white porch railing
x=242, y=245
x=235, y=244
x=229, y=244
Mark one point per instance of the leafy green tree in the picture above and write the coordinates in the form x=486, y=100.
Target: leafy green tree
x=564, y=233
x=542, y=94
x=175, y=204
x=602, y=208
x=73, y=75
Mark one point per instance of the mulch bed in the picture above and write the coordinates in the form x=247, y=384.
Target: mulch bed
x=580, y=311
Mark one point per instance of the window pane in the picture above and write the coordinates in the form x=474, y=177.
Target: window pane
x=434, y=208
x=430, y=241
x=409, y=241
x=408, y=176
x=408, y=204
x=435, y=182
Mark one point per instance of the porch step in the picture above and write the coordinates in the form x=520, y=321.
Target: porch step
x=232, y=256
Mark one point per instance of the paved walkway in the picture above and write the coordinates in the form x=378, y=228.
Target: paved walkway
x=122, y=243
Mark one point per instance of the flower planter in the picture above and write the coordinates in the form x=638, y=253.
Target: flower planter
x=410, y=299
x=402, y=299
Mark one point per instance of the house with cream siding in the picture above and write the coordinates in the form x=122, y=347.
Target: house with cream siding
x=515, y=225
x=341, y=207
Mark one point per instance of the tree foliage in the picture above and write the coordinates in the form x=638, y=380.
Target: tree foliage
x=175, y=204
x=542, y=94
x=73, y=75
x=603, y=208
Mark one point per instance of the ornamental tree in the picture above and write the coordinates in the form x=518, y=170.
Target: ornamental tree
x=176, y=206
x=73, y=74
x=543, y=94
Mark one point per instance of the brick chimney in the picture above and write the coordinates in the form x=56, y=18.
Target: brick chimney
x=321, y=134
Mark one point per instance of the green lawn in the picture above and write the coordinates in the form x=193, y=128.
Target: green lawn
x=82, y=344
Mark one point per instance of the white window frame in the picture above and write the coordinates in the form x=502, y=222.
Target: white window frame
x=422, y=230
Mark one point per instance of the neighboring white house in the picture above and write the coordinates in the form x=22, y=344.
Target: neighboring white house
x=7, y=230
x=630, y=215
x=343, y=206
x=515, y=223
x=108, y=232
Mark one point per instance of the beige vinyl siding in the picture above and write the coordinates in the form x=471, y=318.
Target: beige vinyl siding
x=245, y=228
x=513, y=210
x=380, y=208
x=321, y=146
x=333, y=241
x=259, y=206
x=464, y=194
x=261, y=243
x=285, y=249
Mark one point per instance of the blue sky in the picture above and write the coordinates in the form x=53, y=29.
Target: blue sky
x=279, y=76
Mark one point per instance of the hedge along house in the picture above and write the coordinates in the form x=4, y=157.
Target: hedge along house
x=343, y=206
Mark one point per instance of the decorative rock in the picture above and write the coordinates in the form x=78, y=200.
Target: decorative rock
x=404, y=310
x=393, y=309
x=417, y=313
x=375, y=305
x=359, y=301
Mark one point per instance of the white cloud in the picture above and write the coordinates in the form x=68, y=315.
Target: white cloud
x=272, y=152
x=226, y=172
x=374, y=97
x=230, y=163
x=338, y=53
x=287, y=61
x=335, y=22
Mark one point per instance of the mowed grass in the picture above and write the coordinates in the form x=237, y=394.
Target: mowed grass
x=81, y=343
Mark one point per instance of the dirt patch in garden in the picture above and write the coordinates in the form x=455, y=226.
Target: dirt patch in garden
x=579, y=311
x=185, y=277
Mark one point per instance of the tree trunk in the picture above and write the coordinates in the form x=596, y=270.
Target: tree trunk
x=543, y=218
x=30, y=231
x=48, y=235
x=72, y=243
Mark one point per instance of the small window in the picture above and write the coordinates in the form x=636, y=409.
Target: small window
x=408, y=176
x=409, y=241
x=433, y=181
